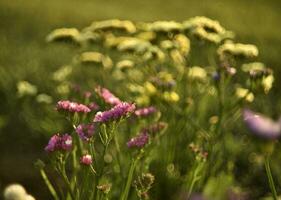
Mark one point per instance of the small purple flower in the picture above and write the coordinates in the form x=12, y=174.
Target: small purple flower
x=216, y=76
x=261, y=125
x=139, y=141
x=86, y=159
x=58, y=142
x=117, y=112
x=53, y=143
x=72, y=107
x=85, y=131
x=107, y=96
x=66, y=142
x=143, y=112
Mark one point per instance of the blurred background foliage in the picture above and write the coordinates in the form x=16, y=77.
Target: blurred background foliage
x=24, y=55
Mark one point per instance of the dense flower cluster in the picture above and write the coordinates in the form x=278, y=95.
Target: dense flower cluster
x=72, y=107
x=117, y=112
x=143, y=112
x=107, y=96
x=139, y=141
x=85, y=131
x=59, y=142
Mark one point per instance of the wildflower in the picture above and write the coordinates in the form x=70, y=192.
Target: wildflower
x=15, y=192
x=117, y=112
x=85, y=131
x=72, y=107
x=139, y=141
x=64, y=34
x=143, y=112
x=26, y=89
x=58, y=142
x=261, y=125
x=87, y=94
x=107, y=96
x=86, y=159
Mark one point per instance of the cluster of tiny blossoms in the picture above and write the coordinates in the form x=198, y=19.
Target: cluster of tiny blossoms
x=139, y=141
x=143, y=112
x=115, y=113
x=85, y=131
x=107, y=96
x=72, y=107
x=59, y=142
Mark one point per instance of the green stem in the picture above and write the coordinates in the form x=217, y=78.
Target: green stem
x=49, y=185
x=195, y=177
x=118, y=156
x=270, y=179
x=126, y=191
x=99, y=175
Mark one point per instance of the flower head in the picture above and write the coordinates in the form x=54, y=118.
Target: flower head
x=261, y=125
x=139, y=141
x=59, y=142
x=86, y=159
x=107, y=96
x=117, y=112
x=143, y=112
x=85, y=131
x=93, y=106
x=72, y=107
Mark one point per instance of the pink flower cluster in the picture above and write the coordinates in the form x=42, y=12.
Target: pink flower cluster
x=72, y=107
x=139, y=141
x=117, y=112
x=143, y=112
x=107, y=96
x=86, y=159
x=85, y=131
x=59, y=142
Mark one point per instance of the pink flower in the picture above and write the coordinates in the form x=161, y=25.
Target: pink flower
x=261, y=125
x=143, y=112
x=155, y=128
x=107, y=96
x=139, y=141
x=58, y=142
x=86, y=159
x=117, y=112
x=85, y=131
x=72, y=107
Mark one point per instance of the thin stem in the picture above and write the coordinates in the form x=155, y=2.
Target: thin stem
x=49, y=185
x=126, y=191
x=195, y=177
x=118, y=156
x=270, y=179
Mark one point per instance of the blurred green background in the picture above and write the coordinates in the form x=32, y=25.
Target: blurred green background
x=24, y=55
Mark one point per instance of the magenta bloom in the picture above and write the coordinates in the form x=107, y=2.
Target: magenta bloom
x=59, y=142
x=143, y=112
x=139, y=141
x=107, y=96
x=261, y=125
x=117, y=112
x=85, y=131
x=86, y=159
x=72, y=107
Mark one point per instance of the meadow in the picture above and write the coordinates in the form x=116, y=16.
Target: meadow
x=188, y=88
